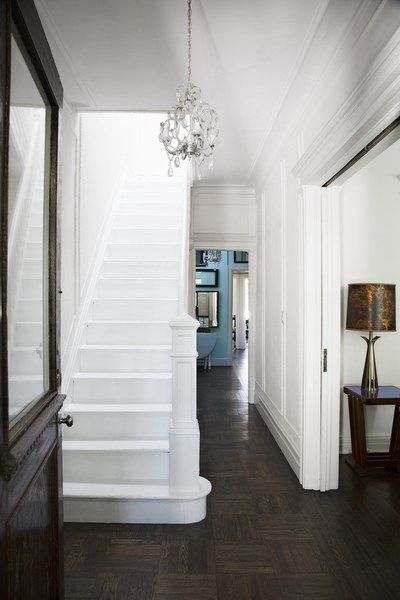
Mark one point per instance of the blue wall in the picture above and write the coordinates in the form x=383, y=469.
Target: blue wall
x=223, y=346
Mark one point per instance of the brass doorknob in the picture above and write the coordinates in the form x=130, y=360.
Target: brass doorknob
x=67, y=420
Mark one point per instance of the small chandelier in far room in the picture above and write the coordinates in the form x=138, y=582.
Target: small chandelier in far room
x=212, y=256
x=190, y=129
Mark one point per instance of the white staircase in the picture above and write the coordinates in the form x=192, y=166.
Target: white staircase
x=117, y=461
x=26, y=319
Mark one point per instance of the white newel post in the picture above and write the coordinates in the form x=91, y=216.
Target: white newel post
x=184, y=434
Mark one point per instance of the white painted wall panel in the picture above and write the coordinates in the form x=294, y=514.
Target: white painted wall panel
x=221, y=212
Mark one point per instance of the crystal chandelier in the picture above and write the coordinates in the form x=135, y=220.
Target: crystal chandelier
x=212, y=256
x=190, y=129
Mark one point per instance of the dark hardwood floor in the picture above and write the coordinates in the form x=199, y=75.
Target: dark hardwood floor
x=263, y=538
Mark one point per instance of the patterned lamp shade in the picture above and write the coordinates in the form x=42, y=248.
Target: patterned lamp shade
x=371, y=307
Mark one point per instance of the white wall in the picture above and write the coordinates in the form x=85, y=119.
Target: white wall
x=340, y=95
x=221, y=213
x=370, y=218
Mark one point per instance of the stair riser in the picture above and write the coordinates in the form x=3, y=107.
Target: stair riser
x=28, y=334
x=128, y=333
x=30, y=310
x=26, y=362
x=36, y=219
x=144, y=252
x=120, y=269
x=37, y=204
x=34, y=251
x=145, y=236
x=125, y=361
x=19, y=391
x=134, y=310
x=114, y=467
x=153, y=221
x=145, y=209
x=117, y=426
x=35, y=234
x=123, y=390
x=141, y=288
x=33, y=268
x=32, y=289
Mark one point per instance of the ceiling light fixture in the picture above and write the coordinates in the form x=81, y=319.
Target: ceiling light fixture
x=190, y=129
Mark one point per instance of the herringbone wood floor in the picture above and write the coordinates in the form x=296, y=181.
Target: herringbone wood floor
x=263, y=538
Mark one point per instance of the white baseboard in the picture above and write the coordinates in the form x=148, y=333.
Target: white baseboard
x=375, y=443
x=283, y=441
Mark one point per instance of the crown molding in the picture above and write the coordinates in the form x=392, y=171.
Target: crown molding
x=300, y=103
x=372, y=106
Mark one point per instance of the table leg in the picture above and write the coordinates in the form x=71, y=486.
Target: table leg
x=357, y=428
x=394, y=450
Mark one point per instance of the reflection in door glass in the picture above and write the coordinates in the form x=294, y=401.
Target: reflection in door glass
x=27, y=234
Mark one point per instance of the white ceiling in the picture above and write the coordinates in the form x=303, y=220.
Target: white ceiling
x=131, y=55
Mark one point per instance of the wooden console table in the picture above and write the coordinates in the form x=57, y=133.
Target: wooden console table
x=362, y=461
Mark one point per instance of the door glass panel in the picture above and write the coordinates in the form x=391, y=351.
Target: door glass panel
x=27, y=291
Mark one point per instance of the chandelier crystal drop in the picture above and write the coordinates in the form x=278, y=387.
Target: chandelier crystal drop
x=190, y=129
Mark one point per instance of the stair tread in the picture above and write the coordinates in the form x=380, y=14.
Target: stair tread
x=126, y=322
x=123, y=299
x=136, y=260
x=117, y=490
x=144, y=445
x=148, y=229
x=139, y=278
x=26, y=377
x=156, y=489
x=123, y=375
x=122, y=408
x=25, y=348
x=166, y=244
x=126, y=347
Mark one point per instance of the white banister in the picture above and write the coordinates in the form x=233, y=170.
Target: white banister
x=184, y=431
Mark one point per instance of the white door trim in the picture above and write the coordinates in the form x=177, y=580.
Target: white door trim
x=372, y=106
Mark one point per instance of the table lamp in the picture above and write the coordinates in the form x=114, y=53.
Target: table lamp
x=371, y=307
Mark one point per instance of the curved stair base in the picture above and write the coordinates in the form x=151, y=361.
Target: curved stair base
x=117, y=503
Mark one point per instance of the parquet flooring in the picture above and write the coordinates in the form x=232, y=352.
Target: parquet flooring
x=263, y=538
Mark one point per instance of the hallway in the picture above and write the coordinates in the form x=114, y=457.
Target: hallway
x=263, y=538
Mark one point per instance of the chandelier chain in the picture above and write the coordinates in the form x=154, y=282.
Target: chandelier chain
x=189, y=3
x=190, y=129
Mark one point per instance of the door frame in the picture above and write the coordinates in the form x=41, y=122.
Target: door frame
x=234, y=270
x=227, y=244
x=339, y=150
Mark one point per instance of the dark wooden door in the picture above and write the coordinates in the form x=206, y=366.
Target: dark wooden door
x=30, y=440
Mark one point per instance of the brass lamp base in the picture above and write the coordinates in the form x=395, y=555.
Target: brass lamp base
x=370, y=376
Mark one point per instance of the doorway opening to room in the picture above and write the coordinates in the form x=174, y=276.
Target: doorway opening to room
x=222, y=300
x=359, y=218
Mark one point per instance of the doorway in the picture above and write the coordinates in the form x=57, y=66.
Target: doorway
x=223, y=306
x=368, y=209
